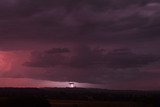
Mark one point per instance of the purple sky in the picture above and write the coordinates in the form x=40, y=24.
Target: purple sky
x=114, y=43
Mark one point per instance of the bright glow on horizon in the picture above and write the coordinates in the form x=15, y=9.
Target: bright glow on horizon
x=71, y=84
x=33, y=83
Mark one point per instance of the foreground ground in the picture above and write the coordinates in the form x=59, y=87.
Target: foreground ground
x=66, y=97
x=70, y=103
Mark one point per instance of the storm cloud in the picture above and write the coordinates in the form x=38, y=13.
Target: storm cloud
x=96, y=41
x=87, y=57
x=91, y=65
x=81, y=20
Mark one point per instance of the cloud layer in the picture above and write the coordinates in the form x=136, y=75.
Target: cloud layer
x=96, y=41
x=90, y=64
x=82, y=20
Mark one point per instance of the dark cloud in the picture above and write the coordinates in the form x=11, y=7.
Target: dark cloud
x=85, y=64
x=86, y=57
x=58, y=50
x=123, y=58
x=81, y=20
x=127, y=32
x=49, y=58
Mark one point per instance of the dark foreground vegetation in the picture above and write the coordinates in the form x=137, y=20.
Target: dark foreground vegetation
x=76, y=97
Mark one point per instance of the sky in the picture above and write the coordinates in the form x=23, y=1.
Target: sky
x=111, y=43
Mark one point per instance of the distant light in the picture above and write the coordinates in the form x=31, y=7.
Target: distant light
x=71, y=84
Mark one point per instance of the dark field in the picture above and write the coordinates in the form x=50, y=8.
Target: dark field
x=77, y=97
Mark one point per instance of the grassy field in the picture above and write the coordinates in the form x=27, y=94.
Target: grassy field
x=71, y=103
x=77, y=97
x=82, y=103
